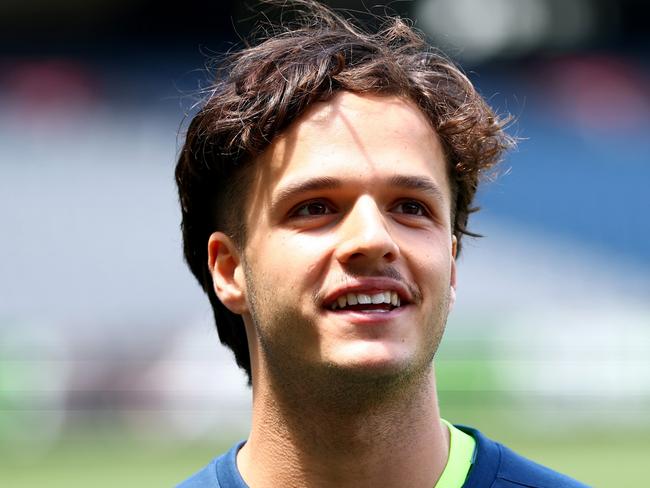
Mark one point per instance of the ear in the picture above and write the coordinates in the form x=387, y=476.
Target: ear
x=225, y=265
x=452, y=276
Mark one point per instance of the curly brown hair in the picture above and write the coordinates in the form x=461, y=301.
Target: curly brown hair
x=260, y=90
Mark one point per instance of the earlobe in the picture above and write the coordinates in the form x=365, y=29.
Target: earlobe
x=225, y=264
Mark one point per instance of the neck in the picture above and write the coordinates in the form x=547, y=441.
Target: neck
x=364, y=432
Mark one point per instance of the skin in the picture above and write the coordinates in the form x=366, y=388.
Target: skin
x=344, y=398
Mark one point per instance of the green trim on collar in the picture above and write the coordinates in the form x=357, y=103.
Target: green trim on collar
x=459, y=462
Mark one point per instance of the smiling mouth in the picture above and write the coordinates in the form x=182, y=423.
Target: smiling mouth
x=384, y=301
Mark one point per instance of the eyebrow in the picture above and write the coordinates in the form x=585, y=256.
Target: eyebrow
x=418, y=183
x=294, y=189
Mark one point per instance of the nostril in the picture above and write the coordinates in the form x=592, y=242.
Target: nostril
x=357, y=256
x=360, y=249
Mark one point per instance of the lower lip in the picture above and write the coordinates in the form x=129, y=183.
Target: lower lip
x=368, y=318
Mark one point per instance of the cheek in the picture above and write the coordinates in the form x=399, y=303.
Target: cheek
x=431, y=250
x=309, y=254
x=431, y=266
x=292, y=262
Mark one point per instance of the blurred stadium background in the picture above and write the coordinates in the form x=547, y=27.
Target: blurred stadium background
x=111, y=372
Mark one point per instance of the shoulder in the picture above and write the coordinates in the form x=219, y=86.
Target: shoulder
x=206, y=478
x=496, y=466
x=220, y=473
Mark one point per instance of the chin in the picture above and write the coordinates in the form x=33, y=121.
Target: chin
x=375, y=359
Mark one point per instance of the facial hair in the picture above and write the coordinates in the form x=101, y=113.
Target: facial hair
x=298, y=382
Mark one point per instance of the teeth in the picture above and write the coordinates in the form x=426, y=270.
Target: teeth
x=378, y=298
x=390, y=297
x=363, y=299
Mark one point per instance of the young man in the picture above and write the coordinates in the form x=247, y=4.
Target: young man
x=325, y=188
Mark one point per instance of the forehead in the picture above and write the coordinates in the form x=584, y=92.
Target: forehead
x=360, y=139
x=353, y=123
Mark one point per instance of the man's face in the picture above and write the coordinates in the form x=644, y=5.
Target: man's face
x=350, y=205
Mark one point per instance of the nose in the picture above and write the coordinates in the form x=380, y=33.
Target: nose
x=365, y=237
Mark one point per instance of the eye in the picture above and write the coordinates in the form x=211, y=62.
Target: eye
x=313, y=208
x=411, y=207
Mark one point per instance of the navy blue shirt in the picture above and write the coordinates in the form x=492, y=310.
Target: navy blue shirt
x=494, y=466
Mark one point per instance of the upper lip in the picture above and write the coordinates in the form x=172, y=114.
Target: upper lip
x=370, y=286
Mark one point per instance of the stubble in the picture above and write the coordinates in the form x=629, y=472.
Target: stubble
x=297, y=383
